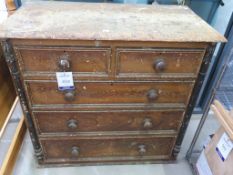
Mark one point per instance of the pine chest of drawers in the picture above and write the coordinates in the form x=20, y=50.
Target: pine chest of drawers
x=137, y=70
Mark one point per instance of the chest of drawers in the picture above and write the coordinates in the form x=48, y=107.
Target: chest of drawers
x=137, y=71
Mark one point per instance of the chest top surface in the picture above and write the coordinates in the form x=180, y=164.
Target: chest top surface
x=104, y=21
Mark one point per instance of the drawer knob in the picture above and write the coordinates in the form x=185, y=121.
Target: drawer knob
x=72, y=124
x=147, y=123
x=64, y=63
x=159, y=65
x=70, y=95
x=152, y=94
x=142, y=149
x=75, y=151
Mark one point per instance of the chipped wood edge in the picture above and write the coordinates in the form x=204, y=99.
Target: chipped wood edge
x=11, y=156
x=8, y=116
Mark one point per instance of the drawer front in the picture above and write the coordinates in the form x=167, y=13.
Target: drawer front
x=43, y=93
x=93, y=61
x=103, y=149
x=152, y=63
x=68, y=122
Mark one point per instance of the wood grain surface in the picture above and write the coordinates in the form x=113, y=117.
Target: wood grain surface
x=111, y=121
x=107, y=149
x=89, y=61
x=45, y=93
x=142, y=62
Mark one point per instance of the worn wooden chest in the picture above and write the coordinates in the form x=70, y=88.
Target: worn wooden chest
x=137, y=71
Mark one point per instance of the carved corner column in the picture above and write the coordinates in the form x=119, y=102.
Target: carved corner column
x=13, y=67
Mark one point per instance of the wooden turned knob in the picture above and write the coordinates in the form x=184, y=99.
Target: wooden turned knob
x=159, y=65
x=147, y=123
x=72, y=124
x=75, y=151
x=142, y=149
x=152, y=94
x=64, y=63
x=69, y=96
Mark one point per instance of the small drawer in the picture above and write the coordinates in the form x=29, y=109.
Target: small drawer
x=78, y=122
x=83, y=61
x=158, y=62
x=87, y=149
x=47, y=93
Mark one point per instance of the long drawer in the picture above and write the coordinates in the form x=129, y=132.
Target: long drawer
x=86, y=61
x=78, y=122
x=157, y=62
x=44, y=92
x=89, y=149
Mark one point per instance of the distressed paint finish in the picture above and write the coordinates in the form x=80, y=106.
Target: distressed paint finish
x=140, y=62
x=112, y=50
x=103, y=21
x=108, y=149
x=45, y=93
x=89, y=122
x=87, y=61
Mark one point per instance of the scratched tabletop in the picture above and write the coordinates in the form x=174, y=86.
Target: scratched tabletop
x=106, y=21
